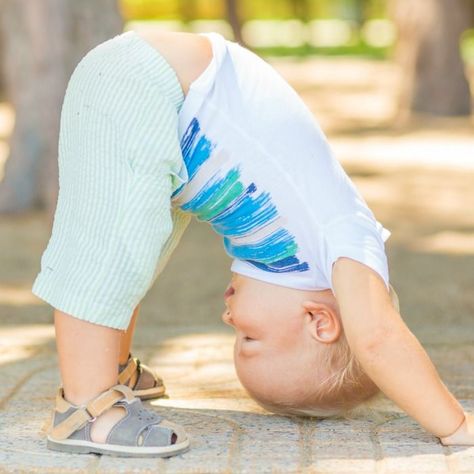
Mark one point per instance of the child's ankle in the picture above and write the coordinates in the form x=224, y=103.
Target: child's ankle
x=78, y=399
x=122, y=361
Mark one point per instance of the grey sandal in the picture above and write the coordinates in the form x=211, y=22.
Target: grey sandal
x=140, y=433
x=143, y=380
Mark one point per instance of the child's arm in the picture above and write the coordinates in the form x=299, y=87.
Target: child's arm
x=390, y=354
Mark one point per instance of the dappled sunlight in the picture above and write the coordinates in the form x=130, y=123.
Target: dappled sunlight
x=7, y=119
x=14, y=354
x=211, y=403
x=4, y=152
x=198, y=365
x=7, y=122
x=337, y=113
x=199, y=373
x=323, y=74
x=434, y=151
x=22, y=341
x=416, y=202
x=447, y=242
x=14, y=295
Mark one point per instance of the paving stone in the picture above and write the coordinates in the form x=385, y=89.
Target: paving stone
x=24, y=422
x=14, y=372
x=461, y=458
x=116, y=465
x=268, y=445
x=348, y=448
x=25, y=461
x=345, y=465
x=422, y=458
x=211, y=436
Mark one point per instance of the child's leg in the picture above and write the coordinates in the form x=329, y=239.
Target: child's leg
x=97, y=349
x=141, y=378
x=118, y=154
x=126, y=338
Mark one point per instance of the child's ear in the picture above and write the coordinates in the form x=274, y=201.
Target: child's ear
x=322, y=321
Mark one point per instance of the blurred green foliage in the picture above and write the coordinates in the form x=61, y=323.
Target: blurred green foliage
x=306, y=10
x=252, y=9
x=356, y=11
x=361, y=49
x=467, y=46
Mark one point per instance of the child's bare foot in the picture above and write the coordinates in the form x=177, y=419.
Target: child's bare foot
x=104, y=423
x=100, y=428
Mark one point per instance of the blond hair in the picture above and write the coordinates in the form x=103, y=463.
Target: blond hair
x=345, y=388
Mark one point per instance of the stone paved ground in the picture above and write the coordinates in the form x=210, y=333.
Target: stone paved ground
x=429, y=211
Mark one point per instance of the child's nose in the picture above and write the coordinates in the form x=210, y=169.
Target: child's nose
x=226, y=317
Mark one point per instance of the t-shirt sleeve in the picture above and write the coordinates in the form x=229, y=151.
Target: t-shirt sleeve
x=347, y=226
x=358, y=236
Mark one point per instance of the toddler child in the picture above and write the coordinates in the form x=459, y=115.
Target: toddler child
x=157, y=129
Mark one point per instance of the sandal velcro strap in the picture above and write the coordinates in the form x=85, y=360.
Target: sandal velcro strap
x=93, y=409
x=72, y=423
x=127, y=372
x=106, y=399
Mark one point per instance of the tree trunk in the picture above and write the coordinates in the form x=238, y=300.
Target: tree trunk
x=234, y=20
x=2, y=69
x=428, y=51
x=355, y=11
x=301, y=10
x=43, y=41
x=360, y=12
x=187, y=10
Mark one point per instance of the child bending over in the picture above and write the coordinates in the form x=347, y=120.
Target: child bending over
x=158, y=128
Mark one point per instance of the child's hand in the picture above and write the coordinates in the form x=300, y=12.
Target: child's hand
x=463, y=436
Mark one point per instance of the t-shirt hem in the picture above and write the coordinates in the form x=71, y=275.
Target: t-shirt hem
x=288, y=280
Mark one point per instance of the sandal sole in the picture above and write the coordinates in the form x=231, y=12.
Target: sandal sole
x=87, y=447
x=147, y=393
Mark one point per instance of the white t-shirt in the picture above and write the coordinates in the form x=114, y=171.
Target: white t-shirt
x=258, y=168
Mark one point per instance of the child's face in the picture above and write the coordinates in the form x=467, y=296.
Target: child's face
x=278, y=337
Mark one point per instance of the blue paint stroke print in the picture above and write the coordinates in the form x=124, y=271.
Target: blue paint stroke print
x=215, y=196
x=246, y=214
x=236, y=211
x=275, y=253
x=195, y=151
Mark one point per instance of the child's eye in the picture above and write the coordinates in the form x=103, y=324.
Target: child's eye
x=246, y=338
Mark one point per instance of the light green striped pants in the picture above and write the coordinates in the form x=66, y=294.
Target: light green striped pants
x=119, y=161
